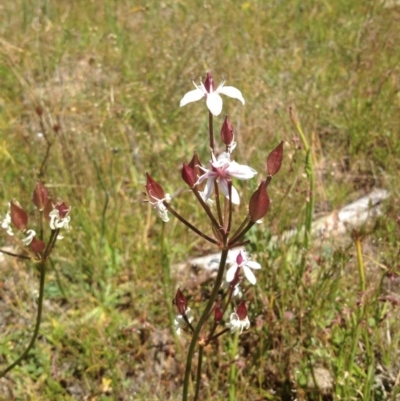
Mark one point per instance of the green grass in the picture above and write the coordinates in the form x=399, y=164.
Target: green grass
x=111, y=74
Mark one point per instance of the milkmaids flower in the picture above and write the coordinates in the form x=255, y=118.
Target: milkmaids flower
x=222, y=170
x=6, y=224
x=30, y=234
x=180, y=322
x=59, y=216
x=213, y=98
x=239, y=319
x=246, y=265
x=156, y=197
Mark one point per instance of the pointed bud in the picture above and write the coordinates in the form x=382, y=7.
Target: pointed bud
x=18, y=216
x=227, y=132
x=195, y=165
x=188, y=175
x=209, y=83
x=37, y=246
x=154, y=189
x=259, y=203
x=274, y=160
x=40, y=196
x=63, y=209
x=217, y=315
x=181, y=302
x=241, y=310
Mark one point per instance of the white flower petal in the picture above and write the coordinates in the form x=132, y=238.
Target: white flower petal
x=162, y=212
x=231, y=92
x=30, y=234
x=225, y=190
x=209, y=188
x=223, y=158
x=249, y=275
x=235, y=196
x=240, y=171
x=192, y=96
x=230, y=274
x=252, y=264
x=214, y=103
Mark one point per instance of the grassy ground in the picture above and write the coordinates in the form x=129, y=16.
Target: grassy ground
x=110, y=74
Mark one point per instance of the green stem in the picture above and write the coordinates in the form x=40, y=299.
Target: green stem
x=309, y=170
x=42, y=270
x=198, y=374
x=360, y=263
x=202, y=320
x=232, y=373
x=191, y=226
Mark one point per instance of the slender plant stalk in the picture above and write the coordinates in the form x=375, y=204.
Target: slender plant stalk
x=202, y=320
x=233, y=369
x=359, y=316
x=360, y=263
x=363, y=315
x=198, y=374
x=42, y=270
x=191, y=226
x=309, y=170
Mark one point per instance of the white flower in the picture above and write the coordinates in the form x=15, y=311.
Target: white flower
x=221, y=170
x=30, y=234
x=236, y=324
x=237, y=291
x=245, y=264
x=156, y=197
x=180, y=323
x=161, y=209
x=57, y=222
x=213, y=98
x=6, y=224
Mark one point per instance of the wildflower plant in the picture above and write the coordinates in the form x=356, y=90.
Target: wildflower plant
x=35, y=243
x=213, y=187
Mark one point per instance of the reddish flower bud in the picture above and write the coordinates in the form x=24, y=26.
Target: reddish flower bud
x=274, y=160
x=181, y=302
x=218, y=314
x=154, y=189
x=241, y=310
x=37, y=246
x=40, y=196
x=195, y=164
x=209, y=83
x=188, y=175
x=63, y=209
x=18, y=216
x=227, y=132
x=259, y=203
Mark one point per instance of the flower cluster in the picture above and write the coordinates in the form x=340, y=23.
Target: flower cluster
x=220, y=201
x=56, y=214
